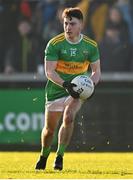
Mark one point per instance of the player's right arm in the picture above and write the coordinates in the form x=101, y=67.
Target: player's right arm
x=50, y=63
x=51, y=74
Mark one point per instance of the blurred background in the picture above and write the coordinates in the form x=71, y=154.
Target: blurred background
x=105, y=123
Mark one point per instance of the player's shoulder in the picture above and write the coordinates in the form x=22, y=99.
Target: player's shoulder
x=89, y=41
x=57, y=39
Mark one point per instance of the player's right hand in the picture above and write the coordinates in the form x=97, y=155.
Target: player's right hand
x=69, y=88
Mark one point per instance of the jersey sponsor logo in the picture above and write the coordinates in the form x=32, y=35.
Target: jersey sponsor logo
x=72, y=67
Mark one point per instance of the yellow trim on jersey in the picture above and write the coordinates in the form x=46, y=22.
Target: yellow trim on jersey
x=90, y=39
x=86, y=39
x=72, y=67
x=89, y=42
x=58, y=40
x=60, y=36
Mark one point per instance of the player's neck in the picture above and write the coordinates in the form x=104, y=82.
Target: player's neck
x=75, y=39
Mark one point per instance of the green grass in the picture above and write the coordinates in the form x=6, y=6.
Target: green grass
x=76, y=165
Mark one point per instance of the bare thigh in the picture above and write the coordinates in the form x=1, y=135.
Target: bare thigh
x=71, y=109
x=51, y=119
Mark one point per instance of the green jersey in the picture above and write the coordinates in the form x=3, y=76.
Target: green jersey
x=72, y=59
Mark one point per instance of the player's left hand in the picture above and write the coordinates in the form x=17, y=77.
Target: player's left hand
x=69, y=88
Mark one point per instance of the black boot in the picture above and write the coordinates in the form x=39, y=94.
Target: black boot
x=58, y=164
x=41, y=163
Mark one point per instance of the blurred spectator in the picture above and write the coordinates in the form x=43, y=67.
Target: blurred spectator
x=25, y=35
x=9, y=12
x=116, y=54
x=115, y=16
x=96, y=17
x=25, y=9
x=15, y=41
x=21, y=56
x=48, y=8
x=126, y=7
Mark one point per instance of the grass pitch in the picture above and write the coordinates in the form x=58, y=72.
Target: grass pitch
x=76, y=165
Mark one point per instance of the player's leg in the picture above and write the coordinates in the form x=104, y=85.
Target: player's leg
x=53, y=114
x=51, y=121
x=66, y=130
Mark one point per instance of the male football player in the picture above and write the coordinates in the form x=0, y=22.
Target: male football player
x=67, y=55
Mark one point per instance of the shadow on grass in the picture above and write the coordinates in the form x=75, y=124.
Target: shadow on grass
x=40, y=171
x=97, y=172
x=71, y=171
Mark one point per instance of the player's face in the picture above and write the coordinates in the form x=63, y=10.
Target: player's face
x=72, y=27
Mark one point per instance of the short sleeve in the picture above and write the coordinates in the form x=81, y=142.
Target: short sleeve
x=51, y=52
x=94, y=54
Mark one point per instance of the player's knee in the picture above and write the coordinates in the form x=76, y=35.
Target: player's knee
x=68, y=118
x=48, y=131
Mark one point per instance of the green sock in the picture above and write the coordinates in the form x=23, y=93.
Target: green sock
x=45, y=151
x=61, y=149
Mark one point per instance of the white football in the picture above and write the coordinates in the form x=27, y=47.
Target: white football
x=85, y=86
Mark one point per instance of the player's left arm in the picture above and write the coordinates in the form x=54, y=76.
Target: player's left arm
x=96, y=71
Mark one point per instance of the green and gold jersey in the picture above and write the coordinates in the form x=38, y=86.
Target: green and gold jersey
x=72, y=59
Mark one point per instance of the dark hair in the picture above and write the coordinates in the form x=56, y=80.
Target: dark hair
x=72, y=12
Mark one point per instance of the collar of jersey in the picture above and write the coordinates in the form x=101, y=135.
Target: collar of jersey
x=81, y=37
